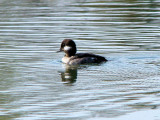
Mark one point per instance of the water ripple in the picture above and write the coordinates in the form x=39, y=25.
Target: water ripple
x=33, y=81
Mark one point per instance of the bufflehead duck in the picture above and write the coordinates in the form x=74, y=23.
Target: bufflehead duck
x=71, y=58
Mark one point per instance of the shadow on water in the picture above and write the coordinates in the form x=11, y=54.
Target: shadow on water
x=69, y=76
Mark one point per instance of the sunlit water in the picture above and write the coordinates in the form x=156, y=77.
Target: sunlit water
x=34, y=84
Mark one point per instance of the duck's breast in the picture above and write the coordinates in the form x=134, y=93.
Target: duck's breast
x=65, y=60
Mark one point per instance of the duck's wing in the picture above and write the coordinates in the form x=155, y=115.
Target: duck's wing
x=82, y=58
x=100, y=58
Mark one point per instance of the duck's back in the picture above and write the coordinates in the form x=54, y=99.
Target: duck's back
x=84, y=58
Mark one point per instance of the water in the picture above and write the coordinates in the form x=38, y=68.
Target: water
x=36, y=85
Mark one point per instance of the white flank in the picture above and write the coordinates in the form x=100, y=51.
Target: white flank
x=66, y=48
x=65, y=59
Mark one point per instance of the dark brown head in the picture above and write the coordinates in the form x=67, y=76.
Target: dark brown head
x=69, y=47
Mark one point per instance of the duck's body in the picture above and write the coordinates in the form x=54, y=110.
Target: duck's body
x=71, y=58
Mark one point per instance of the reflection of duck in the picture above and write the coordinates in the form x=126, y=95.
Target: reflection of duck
x=70, y=74
x=71, y=58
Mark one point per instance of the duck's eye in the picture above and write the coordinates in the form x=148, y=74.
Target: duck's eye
x=63, y=45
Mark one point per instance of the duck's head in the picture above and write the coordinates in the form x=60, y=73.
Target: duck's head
x=69, y=47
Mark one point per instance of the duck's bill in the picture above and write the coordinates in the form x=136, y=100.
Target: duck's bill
x=58, y=51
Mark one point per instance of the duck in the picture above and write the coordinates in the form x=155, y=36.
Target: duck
x=71, y=56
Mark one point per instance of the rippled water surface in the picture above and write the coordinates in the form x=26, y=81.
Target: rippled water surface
x=35, y=85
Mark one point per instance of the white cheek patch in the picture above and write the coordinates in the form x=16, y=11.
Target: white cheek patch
x=66, y=48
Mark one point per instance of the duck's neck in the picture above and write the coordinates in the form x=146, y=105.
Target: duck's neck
x=71, y=52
